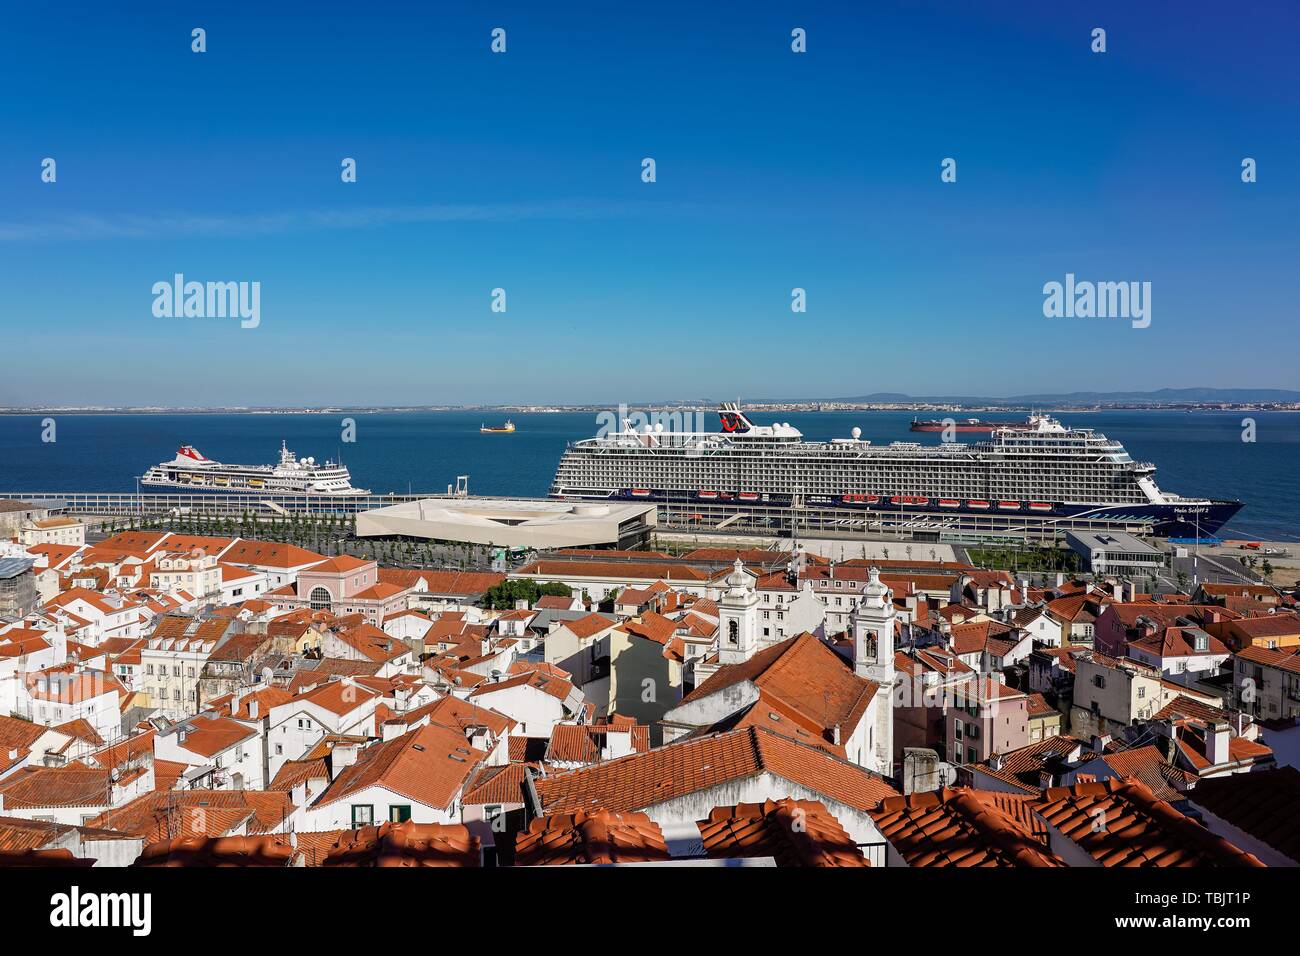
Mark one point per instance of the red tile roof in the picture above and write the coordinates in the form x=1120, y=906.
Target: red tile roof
x=1122, y=823
x=163, y=816
x=1023, y=768
x=582, y=743
x=699, y=763
x=429, y=765
x=793, y=832
x=459, y=715
x=592, y=837
x=1261, y=804
x=958, y=828
x=392, y=844
x=503, y=784
x=70, y=786
x=206, y=851
x=1151, y=767
x=805, y=676
x=554, y=686
x=612, y=569
x=588, y=625
x=209, y=736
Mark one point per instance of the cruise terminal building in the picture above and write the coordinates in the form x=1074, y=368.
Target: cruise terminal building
x=537, y=524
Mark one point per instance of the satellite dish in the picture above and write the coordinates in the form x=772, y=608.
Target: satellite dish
x=856, y=433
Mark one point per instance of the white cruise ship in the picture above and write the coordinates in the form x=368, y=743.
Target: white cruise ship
x=292, y=476
x=1039, y=475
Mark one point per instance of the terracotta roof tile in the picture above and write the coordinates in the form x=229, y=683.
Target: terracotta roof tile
x=592, y=837
x=793, y=832
x=1122, y=823
x=392, y=844
x=167, y=815
x=430, y=765
x=699, y=763
x=806, y=676
x=1151, y=767
x=1261, y=804
x=958, y=828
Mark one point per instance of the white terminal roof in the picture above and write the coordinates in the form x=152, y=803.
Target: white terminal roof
x=510, y=522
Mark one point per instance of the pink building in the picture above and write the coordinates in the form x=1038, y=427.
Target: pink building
x=343, y=585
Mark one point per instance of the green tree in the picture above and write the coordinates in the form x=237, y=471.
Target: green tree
x=503, y=596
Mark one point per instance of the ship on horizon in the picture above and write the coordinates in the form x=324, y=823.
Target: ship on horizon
x=505, y=429
x=1033, y=477
x=291, y=476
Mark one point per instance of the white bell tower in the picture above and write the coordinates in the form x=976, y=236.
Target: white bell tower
x=872, y=621
x=738, y=618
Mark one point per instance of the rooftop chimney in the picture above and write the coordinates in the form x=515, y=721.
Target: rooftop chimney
x=342, y=755
x=618, y=742
x=1099, y=743
x=1217, y=739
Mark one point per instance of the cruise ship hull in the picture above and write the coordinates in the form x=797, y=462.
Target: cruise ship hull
x=1174, y=520
x=249, y=489
x=1038, y=478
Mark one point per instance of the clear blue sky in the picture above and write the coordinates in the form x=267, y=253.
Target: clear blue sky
x=522, y=171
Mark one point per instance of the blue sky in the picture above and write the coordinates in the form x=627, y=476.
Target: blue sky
x=522, y=171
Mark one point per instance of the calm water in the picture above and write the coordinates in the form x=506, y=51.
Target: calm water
x=1197, y=453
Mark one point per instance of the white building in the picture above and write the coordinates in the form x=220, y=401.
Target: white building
x=65, y=531
x=419, y=776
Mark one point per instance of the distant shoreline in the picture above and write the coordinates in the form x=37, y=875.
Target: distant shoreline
x=801, y=407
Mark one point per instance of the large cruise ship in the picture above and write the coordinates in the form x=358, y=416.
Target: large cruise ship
x=292, y=476
x=1034, y=477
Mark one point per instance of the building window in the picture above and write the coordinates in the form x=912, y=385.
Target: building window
x=320, y=599
x=399, y=812
x=733, y=633
x=363, y=815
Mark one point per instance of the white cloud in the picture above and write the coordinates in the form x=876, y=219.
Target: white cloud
x=83, y=227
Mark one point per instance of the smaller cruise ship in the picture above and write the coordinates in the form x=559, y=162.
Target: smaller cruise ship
x=292, y=476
